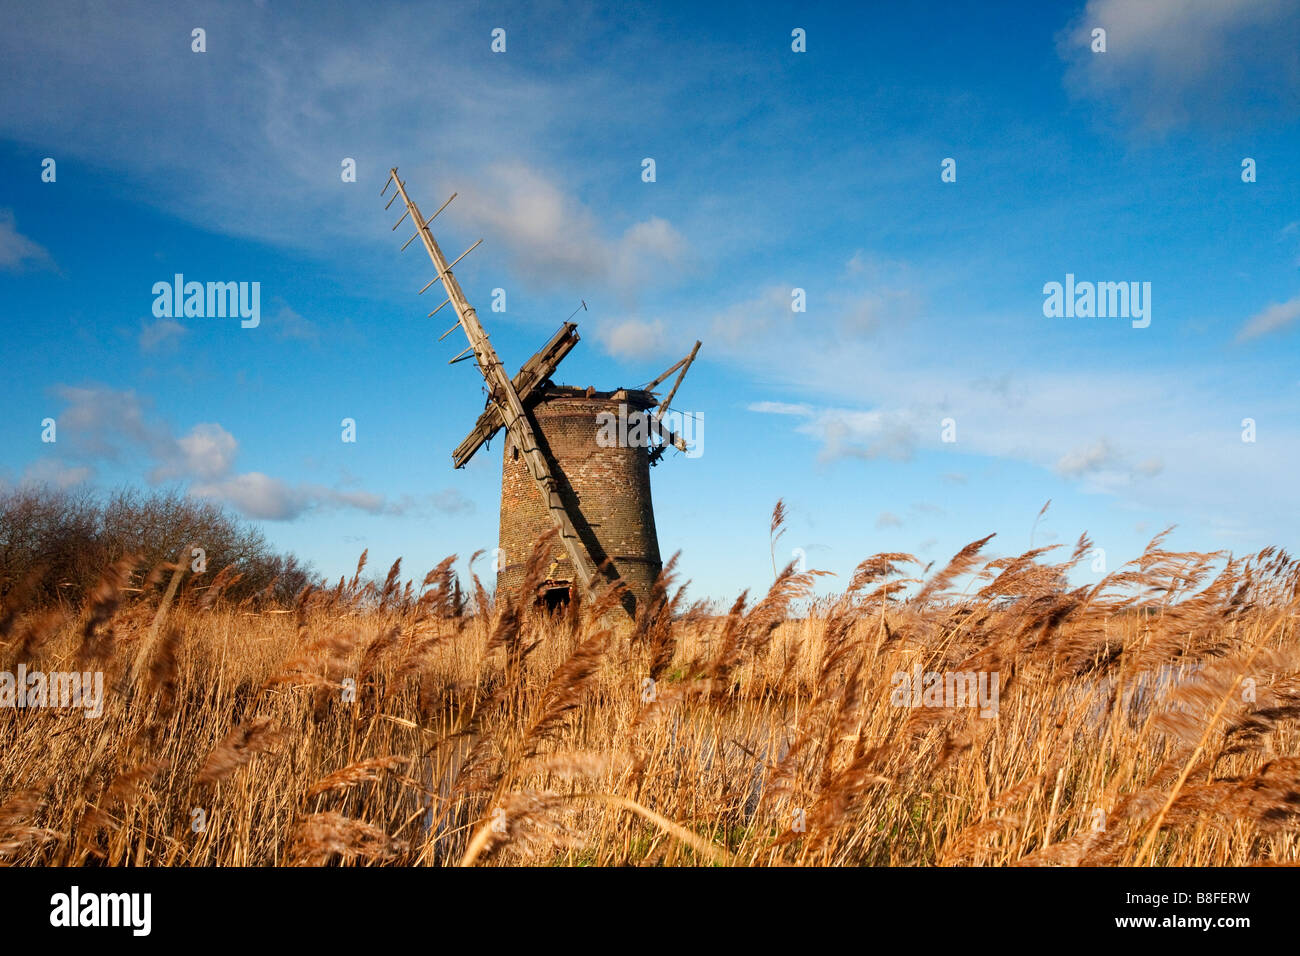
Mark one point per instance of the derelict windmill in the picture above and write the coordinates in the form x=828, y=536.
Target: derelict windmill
x=555, y=474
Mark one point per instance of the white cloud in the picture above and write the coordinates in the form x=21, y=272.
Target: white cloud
x=888, y=519
x=106, y=423
x=103, y=424
x=553, y=239
x=288, y=324
x=780, y=408
x=51, y=471
x=634, y=338
x=295, y=79
x=871, y=311
x=161, y=334
x=450, y=501
x=883, y=293
x=1174, y=62
x=646, y=251
x=256, y=495
x=851, y=433
x=1172, y=445
x=740, y=325
x=1275, y=317
x=1081, y=461
x=1167, y=443
x=16, y=250
x=208, y=451
x=260, y=496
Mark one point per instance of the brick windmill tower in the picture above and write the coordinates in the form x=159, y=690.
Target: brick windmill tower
x=576, y=460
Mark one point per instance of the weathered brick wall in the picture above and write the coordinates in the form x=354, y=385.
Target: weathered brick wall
x=607, y=491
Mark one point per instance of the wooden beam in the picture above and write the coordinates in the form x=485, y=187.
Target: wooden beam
x=656, y=420
x=448, y=269
x=533, y=373
x=669, y=437
x=650, y=386
x=686, y=367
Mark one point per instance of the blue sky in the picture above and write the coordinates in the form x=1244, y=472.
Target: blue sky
x=775, y=170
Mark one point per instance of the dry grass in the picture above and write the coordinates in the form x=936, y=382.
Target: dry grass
x=1150, y=719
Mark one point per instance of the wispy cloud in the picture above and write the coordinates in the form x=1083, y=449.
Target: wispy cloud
x=160, y=335
x=449, y=501
x=855, y=434
x=18, y=251
x=879, y=293
x=634, y=338
x=52, y=471
x=1170, y=63
x=1090, y=458
x=738, y=326
x=207, y=451
x=553, y=239
x=850, y=433
x=100, y=424
x=298, y=80
x=1273, y=318
x=288, y=324
x=260, y=496
x=781, y=408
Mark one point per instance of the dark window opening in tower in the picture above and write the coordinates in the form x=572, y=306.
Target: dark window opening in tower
x=555, y=597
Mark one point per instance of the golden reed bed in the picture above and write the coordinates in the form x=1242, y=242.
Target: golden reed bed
x=1148, y=719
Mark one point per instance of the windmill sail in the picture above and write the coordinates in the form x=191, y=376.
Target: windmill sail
x=501, y=388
